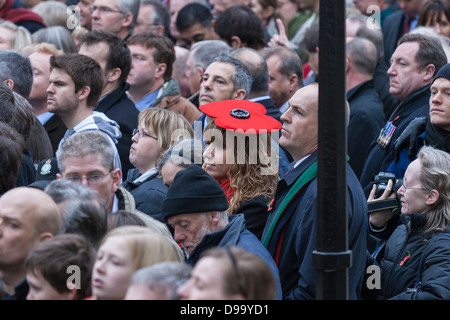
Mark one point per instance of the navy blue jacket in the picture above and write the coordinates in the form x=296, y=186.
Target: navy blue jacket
x=148, y=195
x=297, y=272
x=117, y=106
x=379, y=158
x=236, y=235
x=366, y=120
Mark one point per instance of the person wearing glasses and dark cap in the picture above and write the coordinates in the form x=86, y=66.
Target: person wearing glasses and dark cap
x=117, y=16
x=158, y=129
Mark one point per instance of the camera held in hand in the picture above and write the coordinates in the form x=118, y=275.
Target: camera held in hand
x=382, y=179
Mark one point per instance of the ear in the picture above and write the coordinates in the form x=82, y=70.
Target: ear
x=429, y=72
x=58, y=176
x=214, y=217
x=83, y=93
x=113, y=75
x=347, y=64
x=235, y=42
x=239, y=94
x=116, y=176
x=432, y=197
x=160, y=70
x=9, y=83
x=293, y=82
x=45, y=236
x=127, y=20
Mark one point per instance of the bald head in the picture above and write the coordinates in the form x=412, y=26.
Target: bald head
x=257, y=67
x=33, y=205
x=28, y=216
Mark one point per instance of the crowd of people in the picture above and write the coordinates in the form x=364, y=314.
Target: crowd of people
x=166, y=150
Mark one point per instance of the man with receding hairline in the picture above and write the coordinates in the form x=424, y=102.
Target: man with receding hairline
x=290, y=231
x=27, y=217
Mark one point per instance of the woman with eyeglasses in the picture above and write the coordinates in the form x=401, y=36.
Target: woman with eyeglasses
x=416, y=260
x=158, y=129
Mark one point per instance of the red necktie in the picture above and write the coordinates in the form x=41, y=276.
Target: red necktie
x=407, y=25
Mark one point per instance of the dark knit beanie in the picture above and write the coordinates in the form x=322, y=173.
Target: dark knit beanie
x=193, y=190
x=444, y=72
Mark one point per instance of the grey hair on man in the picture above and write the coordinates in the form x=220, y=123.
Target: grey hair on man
x=163, y=279
x=84, y=143
x=83, y=211
x=203, y=52
x=16, y=71
x=241, y=78
x=130, y=6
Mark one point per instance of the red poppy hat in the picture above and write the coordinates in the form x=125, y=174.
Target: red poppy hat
x=240, y=115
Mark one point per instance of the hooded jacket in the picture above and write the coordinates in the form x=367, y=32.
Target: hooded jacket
x=99, y=121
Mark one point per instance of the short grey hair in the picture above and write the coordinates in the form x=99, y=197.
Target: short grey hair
x=165, y=276
x=203, y=52
x=84, y=211
x=17, y=67
x=183, y=153
x=241, y=78
x=130, y=6
x=84, y=143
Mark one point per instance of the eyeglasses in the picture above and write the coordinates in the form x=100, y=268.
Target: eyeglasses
x=103, y=10
x=406, y=188
x=141, y=133
x=91, y=179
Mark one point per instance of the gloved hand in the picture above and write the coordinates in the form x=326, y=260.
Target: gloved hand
x=408, y=137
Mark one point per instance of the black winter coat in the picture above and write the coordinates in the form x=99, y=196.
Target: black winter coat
x=379, y=158
x=148, y=195
x=118, y=107
x=408, y=251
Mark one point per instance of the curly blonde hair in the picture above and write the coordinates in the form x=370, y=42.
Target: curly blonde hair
x=249, y=178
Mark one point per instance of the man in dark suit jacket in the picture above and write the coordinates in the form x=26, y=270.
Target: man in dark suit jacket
x=414, y=64
x=114, y=57
x=394, y=24
x=257, y=66
x=259, y=92
x=366, y=108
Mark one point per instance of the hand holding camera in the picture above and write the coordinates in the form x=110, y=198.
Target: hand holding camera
x=385, y=187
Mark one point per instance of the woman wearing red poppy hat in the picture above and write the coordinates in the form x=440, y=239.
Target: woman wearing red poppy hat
x=241, y=158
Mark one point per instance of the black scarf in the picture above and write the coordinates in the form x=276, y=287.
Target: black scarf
x=438, y=137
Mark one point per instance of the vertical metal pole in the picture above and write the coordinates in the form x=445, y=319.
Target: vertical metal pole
x=332, y=257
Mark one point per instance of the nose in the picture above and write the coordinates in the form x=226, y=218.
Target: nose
x=84, y=181
x=208, y=152
x=436, y=98
x=183, y=290
x=437, y=28
x=99, y=266
x=390, y=71
x=285, y=117
x=178, y=236
x=207, y=84
x=95, y=14
x=50, y=88
x=30, y=296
